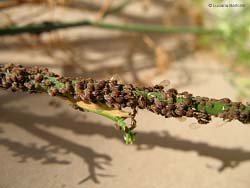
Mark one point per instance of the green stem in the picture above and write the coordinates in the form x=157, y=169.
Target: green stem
x=78, y=89
x=51, y=26
x=129, y=136
x=215, y=108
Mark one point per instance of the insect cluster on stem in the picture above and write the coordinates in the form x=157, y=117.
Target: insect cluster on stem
x=168, y=103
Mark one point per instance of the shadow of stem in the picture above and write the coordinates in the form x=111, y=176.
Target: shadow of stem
x=35, y=124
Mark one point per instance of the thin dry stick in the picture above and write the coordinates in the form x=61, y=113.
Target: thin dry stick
x=108, y=98
x=38, y=28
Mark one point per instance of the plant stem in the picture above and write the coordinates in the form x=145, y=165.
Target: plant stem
x=95, y=96
x=38, y=28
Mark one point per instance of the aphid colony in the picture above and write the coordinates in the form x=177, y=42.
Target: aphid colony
x=118, y=96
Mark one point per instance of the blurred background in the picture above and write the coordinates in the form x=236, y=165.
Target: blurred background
x=44, y=143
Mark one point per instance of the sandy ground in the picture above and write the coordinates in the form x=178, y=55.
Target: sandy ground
x=44, y=146
x=56, y=147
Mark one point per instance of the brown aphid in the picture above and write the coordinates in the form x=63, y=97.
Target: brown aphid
x=29, y=85
x=172, y=90
x=100, y=85
x=242, y=106
x=226, y=100
x=184, y=93
x=236, y=104
x=18, y=71
x=158, y=103
x=90, y=87
x=188, y=101
x=142, y=102
x=202, y=102
x=69, y=87
x=163, y=111
x=38, y=78
x=119, y=100
x=5, y=84
x=117, y=106
x=113, y=82
x=78, y=88
x=159, y=87
x=47, y=82
x=190, y=113
x=203, y=121
x=170, y=107
x=115, y=93
x=53, y=91
x=179, y=112
x=169, y=114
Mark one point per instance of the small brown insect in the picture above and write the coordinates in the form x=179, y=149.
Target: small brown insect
x=53, y=91
x=170, y=107
x=226, y=100
x=188, y=101
x=142, y=102
x=179, y=112
x=190, y=113
x=38, y=77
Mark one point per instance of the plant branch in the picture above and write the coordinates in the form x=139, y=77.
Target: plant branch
x=38, y=28
x=108, y=97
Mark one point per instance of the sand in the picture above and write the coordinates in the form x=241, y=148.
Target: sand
x=54, y=146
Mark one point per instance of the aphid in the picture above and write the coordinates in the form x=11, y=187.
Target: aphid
x=100, y=85
x=119, y=100
x=117, y=106
x=29, y=85
x=68, y=87
x=169, y=114
x=108, y=98
x=171, y=92
x=117, y=127
x=53, y=91
x=47, y=83
x=78, y=88
x=90, y=87
x=188, y=101
x=133, y=121
x=184, y=93
x=226, y=100
x=95, y=93
x=142, y=102
x=113, y=82
x=18, y=71
x=203, y=121
x=190, y=113
x=38, y=77
x=170, y=107
x=202, y=102
x=158, y=103
x=115, y=93
x=87, y=95
x=163, y=111
x=158, y=88
x=179, y=112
